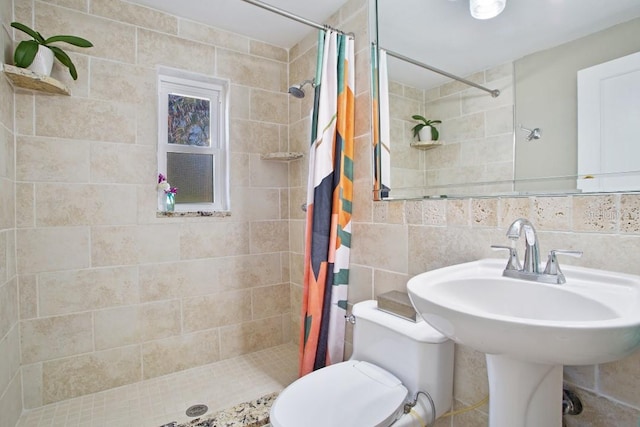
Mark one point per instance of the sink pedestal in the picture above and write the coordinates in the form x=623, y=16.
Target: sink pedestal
x=524, y=394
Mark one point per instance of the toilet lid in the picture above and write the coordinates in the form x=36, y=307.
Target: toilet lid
x=351, y=393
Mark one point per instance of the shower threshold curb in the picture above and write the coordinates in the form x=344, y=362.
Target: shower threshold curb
x=254, y=413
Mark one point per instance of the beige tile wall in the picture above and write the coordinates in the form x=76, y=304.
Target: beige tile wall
x=10, y=381
x=405, y=238
x=476, y=135
x=109, y=293
x=407, y=163
x=138, y=273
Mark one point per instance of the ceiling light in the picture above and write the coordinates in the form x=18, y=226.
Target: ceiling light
x=486, y=9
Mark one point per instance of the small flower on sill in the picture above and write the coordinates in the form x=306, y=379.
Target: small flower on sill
x=163, y=185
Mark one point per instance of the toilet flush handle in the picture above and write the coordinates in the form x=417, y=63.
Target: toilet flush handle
x=350, y=318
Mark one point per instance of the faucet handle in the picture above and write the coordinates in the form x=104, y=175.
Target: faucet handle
x=514, y=261
x=553, y=267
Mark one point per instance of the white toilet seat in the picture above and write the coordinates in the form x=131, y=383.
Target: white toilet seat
x=351, y=393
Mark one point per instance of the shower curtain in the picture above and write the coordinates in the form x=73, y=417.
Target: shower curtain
x=329, y=199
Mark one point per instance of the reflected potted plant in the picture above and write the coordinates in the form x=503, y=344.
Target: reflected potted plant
x=37, y=54
x=425, y=130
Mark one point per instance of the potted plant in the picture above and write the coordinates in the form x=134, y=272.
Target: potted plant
x=425, y=129
x=41, y=50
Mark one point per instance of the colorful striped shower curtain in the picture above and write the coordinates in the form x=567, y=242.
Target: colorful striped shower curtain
x=329, y=198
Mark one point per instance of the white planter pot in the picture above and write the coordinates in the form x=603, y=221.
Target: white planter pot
x=43, y=62
x=424, y=134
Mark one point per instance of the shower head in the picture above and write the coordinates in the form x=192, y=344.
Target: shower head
x=297, y=90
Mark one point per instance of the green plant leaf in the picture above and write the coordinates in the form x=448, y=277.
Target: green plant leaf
x=434, y=133
x=419, y=117
x=36, y=35
x=25, y=53
x=65, y=60
x=416, y=129
x=76, y=41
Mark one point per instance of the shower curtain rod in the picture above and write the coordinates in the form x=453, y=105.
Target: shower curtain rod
x=290, y=15
x=494, y=92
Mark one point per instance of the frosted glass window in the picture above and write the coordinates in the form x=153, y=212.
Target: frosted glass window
x=192, y=174
x=193, y=139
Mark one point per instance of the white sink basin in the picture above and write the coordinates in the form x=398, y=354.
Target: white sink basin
x=593, y=318
x=530, y=329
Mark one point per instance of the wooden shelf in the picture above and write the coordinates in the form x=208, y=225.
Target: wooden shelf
x=426, y=145
x=27, y=79
x=282, y=156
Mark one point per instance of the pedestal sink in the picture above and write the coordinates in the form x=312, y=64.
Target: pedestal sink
x=528, y=330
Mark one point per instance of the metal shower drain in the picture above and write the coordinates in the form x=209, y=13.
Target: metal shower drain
x=197, y=410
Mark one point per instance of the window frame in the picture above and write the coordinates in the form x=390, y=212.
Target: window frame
x=179, y=82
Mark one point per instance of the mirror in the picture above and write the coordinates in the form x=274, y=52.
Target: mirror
x=526, y=139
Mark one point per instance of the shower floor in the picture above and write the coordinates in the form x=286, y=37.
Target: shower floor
x=159, y=401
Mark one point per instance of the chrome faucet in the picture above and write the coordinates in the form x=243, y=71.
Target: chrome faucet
x=531, y=268
x=532, y=250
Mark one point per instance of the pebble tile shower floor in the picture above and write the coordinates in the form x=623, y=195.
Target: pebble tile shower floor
x=158, y=401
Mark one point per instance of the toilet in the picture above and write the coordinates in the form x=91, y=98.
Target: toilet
x=393, y=359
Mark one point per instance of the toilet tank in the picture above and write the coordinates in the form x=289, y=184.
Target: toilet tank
x=420, y=356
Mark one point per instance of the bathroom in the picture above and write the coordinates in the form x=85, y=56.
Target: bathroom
x=84, y=176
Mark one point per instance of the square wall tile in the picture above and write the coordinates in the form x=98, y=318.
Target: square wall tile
x=619, y=379
x=268, y=301
x=66, y=292
x=11, y=403
x=89, y=373
x=87, y=119
x=9, y=303
x=111, y=39
x=209, y=35
x=209, y=240
x=211, y=311
x=133, y=14
x=85, y=204
x=250, y=336
x=173, y=354
x=269, y=236
x=382, y=245
x=32, y=383
x=252, y=71
x=9, y=357
x=129, y=245
x=630, y=213
x=175, y=52
x=67, y=160
x=595, y=213
x=54, y=337
x=38, y=249
x=552, y=213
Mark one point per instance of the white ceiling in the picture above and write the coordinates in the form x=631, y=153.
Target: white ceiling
x=438, y=32
x=443, y=34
